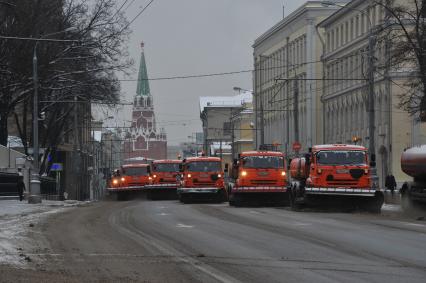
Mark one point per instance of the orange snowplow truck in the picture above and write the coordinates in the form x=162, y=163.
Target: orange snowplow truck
x=258, y=176
x=163, y=178
x=202, y=179
x=332, y=174
x=130, y=178
x=413, y=163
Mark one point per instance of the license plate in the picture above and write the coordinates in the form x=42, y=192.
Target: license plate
x=263, y=173
x=135, y=178
x=342, y=171
x=204, y=175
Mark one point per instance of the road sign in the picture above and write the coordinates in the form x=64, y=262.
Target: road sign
x=56, y=167
x=297, y=146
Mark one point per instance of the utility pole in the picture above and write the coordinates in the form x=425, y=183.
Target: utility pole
x=76, y=150
x=35, y=181
x=296, y=110
x=371, y=110
x=287, y=114
x=260, y=95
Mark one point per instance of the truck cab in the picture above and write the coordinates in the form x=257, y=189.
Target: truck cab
x=331, y=172
x=202, y=179
x=163, y=178
x=134, y=176
x=259, y=176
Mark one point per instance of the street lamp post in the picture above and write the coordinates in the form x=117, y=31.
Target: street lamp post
x=35, y=180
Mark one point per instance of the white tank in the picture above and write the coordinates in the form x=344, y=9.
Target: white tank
x=413, y=161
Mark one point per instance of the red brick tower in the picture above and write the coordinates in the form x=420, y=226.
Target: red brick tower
x=144, y=139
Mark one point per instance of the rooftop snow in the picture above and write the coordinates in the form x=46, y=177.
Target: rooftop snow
x=226, y=101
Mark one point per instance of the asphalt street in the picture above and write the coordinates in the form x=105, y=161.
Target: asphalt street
x=165, y=241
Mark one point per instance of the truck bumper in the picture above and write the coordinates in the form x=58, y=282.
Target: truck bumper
x=198, y=190
x=161, y=187
x=126, y=189
x=259, y=189
x=365, y=192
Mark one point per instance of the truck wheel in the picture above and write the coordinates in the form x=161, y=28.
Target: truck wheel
x=408, y=205
x=122, y=196
x=183, y=199
x=222, y=196
x=292, y=200
x=376, y=204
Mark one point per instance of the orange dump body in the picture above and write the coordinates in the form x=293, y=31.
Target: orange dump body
x=298, y=168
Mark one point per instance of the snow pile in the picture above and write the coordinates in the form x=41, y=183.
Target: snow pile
x=17, y=219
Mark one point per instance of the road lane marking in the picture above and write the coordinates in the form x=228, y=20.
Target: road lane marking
x=302, y=224
x=415, y=224
x=180, y=225
x=163, y=214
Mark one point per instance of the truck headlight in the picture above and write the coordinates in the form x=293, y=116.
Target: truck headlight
x=244, y=173
x=115, y=181
x=219, y=175
x=122, y=179
x=283, y=173
x=189, y=175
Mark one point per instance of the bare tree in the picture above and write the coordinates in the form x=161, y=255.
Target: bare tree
x=407, y=22
x=84, y=71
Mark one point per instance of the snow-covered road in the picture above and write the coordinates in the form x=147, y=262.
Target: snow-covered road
x=16, y=221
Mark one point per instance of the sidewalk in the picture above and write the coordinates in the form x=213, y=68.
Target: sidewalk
x=17, y=220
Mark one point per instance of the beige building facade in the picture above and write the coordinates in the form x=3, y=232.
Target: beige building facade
x=345, y=92
x=242, y=126
x=287, y=79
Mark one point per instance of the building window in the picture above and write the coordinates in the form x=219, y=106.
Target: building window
x=346, y=32
x=337, y=38
x=356, y=26
x=226, y=128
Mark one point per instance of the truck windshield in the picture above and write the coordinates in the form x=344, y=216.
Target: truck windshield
x=341, y=158
x=166, y=167
x=203, y=166
x=263, y=162
x=135, y=171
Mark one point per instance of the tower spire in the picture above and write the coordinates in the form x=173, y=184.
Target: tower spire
x=143, y=83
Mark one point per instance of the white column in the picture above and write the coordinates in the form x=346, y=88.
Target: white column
x=310, y=84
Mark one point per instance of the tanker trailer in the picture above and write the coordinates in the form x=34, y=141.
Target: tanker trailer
x=413, y=163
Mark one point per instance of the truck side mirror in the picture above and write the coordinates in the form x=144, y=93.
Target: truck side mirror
x=181, y=167
x=226, y=167
x=288, y=164
x=148, y=169
x=307, y=157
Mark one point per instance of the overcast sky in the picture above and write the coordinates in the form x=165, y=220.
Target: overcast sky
x=187, y=37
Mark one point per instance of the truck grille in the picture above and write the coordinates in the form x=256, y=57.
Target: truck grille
x=342, y=182
x=263, y=182
x=203, y=182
